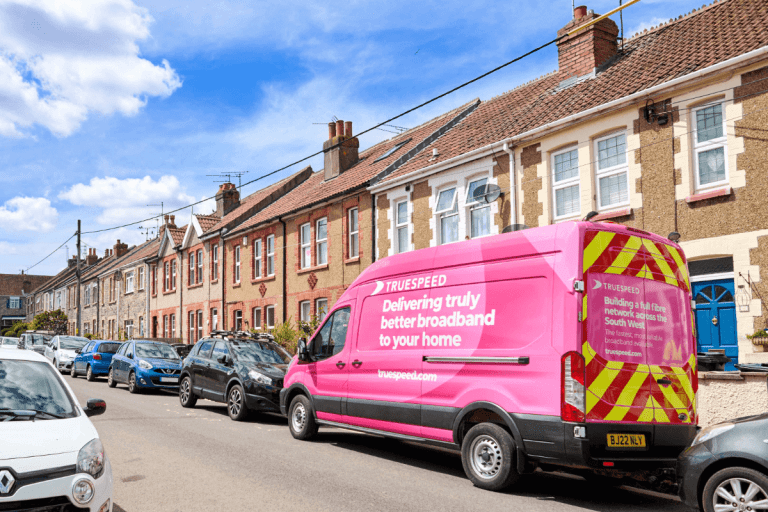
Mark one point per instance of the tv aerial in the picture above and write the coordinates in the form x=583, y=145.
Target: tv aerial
x=486, y=193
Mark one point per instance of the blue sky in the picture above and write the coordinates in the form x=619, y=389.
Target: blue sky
x=107, y=108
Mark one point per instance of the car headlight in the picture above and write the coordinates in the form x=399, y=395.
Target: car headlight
x=708, y=433
x=145, y=365
x=91, y=459
x=259, y=377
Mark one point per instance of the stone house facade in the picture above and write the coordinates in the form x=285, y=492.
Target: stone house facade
x=166, y=293
x=672, y=148
x=90, y=292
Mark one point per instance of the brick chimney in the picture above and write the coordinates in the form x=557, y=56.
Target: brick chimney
x=227, y=199
x=72, y=262
x=341, y=158
x=92, y=257
x=587, y=49
x=120, y=249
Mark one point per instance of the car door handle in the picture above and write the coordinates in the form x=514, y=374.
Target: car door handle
x=340, y=365
x=356, y=363
x=664, y=382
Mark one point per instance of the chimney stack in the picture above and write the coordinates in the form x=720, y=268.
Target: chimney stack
x=583, y=52
x=120, y=249
x=228, y=198
x=165, y=217
x=345, y=155
x=92, y=257
x=173, y=220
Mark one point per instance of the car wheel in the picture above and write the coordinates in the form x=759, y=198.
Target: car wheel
x=89, y=376
x=72, y=372
x=186, y=396
x=487, y=454
x=132, y=385
x=301, y=418
x=236, y=403
x=735, y=488
x=111, y=382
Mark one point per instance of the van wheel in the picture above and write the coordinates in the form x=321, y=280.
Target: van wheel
x=735, y=489
x=186, y=396
x=301, y=418
x=89, y=376
x=487, y=454
x=111, y=382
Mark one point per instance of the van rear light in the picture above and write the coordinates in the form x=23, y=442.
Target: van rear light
x=572, y=390
x=97, y=357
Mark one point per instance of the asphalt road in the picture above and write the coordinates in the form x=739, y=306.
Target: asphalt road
x=166, y=458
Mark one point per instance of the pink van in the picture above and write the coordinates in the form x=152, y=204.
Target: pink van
x=562, y=346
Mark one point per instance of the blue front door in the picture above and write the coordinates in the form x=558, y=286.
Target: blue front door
x=716, y=318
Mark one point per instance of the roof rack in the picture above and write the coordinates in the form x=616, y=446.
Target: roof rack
x=242, y=334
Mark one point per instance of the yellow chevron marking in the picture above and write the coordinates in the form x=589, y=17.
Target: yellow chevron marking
x=642, y=368
x=600, y=385
x=584, y=308
x=647, y=415
x=596, y=247
x=680, y=265
x=631, y=389
x=592, y=401
x=645, y=272
x=627, y=253
x=659, y=413
x=669, y=275
x=685, y=382
x=587, y=352
x=615, y=365
x=616, y=414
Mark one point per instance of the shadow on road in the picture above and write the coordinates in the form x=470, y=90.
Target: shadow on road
x=262, y=418
x=557, y=487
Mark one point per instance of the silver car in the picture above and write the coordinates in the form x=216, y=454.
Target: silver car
x=61, y=351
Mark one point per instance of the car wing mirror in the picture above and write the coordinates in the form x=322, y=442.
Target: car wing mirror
x=224, y=360
x=95, y=406
x=303, y=350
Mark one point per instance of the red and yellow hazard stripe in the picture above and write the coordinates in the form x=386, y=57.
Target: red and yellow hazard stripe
x=628, y=392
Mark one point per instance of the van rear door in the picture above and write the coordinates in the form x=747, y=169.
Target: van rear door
x=637, y=341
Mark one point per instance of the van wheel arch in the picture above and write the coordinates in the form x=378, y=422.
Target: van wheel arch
x=298, y=389
x=479, y=412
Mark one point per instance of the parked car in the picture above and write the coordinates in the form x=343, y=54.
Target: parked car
x=93, y=359
x=7, y=342
x=35, y=340
x=244, y=371
x=51, y=457
x=145, y=365
x=61, y=350
x=564, y=346
x=726, y=467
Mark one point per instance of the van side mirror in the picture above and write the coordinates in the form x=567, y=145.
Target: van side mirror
x=95, y=406
x=302, y=350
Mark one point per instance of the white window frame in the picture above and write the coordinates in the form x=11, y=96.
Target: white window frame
x=610, y=171
x=305, y=245
x=200, y=262
x=447, y=212
x=702, y=147
x=87, y=295
x=191, y=326
x=129, y=282
x=141, y=278
x=173, y=274
x=238, y=317
x=215, y=262
x=266, y=320
x=566, y=183
x=321, y=308
x=305, y=310
x=214, y=319
x=237, y=263
x=173, y=325
x=321, y=242
x=192, y=268
x=354, y=236
x=199, y=324
x=256, y=318
x=471, y=206
x=257, y=258
x=141, y=326
x=402, y=225
x=271, y=255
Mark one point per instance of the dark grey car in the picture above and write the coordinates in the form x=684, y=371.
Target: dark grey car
x=726, y=467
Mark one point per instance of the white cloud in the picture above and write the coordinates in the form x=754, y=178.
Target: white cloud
x=646, y=25
x=28, y=214
x=128, y=200
x=62, y=59
x=7, y=249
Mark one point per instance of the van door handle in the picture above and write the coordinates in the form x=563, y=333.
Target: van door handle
x=340, y=365
x=664, y=382
x=356, y=363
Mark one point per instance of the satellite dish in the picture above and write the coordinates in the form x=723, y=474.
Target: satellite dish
x=486, y=193
x=514, y=227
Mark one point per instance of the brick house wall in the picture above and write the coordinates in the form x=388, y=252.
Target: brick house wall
x=203, y=293
x=166, y=302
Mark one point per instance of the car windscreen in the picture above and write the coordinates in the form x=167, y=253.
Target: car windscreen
x=155, y=351
x=108, y=348
x=72, y=343
x=33, y=386
x=10, y=341
x=39, y=339
x=260, y=352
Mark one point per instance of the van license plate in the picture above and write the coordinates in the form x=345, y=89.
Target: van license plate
x=626, y=441
x=169, y=379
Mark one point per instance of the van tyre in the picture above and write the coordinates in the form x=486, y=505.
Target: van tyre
x=111, y=382
x=488, y=457
x=89, y=376
x=753, y=488
x=301, y=418
x=186, y=395
x=236, y=403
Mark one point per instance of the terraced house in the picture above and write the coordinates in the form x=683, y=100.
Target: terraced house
x=14, y=289
x=165, y=298
x=663, y=132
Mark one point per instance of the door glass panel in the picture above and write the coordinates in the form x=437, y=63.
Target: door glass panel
x=220, y=349
x=339, y=330
x=726, y=297
x=205, y=349
x=722, y=294
x=701, y=298
x=321, y=341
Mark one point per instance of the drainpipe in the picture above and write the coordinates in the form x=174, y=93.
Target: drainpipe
x=285, y=272
x=147, y=293
x=373, y=228
x=223, y=277
x=180, y=276
x=513, y=178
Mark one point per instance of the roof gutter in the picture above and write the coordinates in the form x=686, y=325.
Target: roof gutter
x=614, y=104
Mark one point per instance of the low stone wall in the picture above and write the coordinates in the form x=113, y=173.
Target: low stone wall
x=727, y=395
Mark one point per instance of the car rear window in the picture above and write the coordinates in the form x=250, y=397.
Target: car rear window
x=108, y=348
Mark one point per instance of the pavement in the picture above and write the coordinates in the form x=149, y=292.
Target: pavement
x=167, y=459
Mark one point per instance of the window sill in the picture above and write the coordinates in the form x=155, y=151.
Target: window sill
x=169, y=292
x=193, y=286
x=312, y=269
x=624, y=212
x=214, y=281
x=709, y=194
x=237, y=285
x=129, y=293
x=348, y=261
x=263, y=279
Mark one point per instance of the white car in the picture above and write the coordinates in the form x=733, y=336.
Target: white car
x=62, y=350
x=51, y=457
x=9, y=343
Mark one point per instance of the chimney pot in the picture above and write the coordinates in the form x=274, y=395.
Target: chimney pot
x=340, y=128
x=331, y=130
x=580, y=12
x=341, y=152
x=173, y=220
x=348, y=129
x=166, y=219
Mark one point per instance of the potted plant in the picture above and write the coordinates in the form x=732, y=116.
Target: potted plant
x=759, y=339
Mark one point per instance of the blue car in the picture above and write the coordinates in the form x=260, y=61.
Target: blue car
x=94, y=358
x=145, y=365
